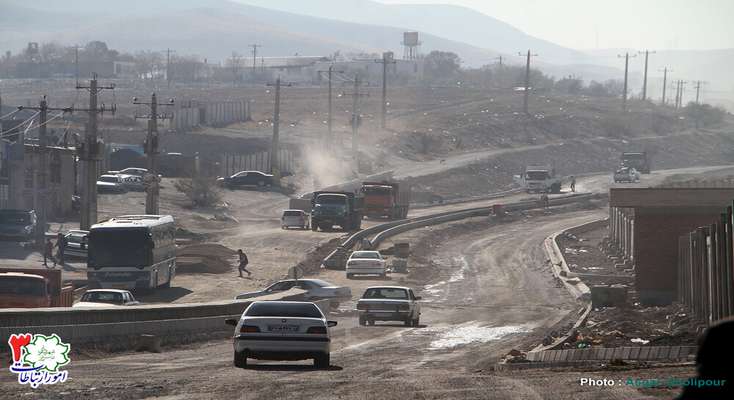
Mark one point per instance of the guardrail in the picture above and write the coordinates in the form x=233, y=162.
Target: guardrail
x=84, y=325
x=383, y=231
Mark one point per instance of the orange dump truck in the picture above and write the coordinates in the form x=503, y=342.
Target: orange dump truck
x=385, y=199
x=33, y=288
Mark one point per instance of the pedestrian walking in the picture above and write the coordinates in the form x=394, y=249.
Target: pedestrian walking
x=48, y=253
x=573, y=183
x=243, y=262
x=544, y=200
x=61, y=248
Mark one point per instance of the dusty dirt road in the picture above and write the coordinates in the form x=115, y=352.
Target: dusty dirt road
x=492, y=292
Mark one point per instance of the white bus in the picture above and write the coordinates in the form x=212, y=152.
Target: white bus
x=132, y=252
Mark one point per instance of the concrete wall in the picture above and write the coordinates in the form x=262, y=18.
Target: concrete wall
x=656, y=232
x=60, y=181
x=82, y=326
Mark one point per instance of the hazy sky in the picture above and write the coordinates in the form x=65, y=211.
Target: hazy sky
x=584, y=24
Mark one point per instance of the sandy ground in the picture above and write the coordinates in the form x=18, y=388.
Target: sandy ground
x=492, y=291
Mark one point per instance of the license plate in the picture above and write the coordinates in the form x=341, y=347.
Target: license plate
x=283, y=328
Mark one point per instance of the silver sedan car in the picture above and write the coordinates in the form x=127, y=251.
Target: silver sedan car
x=283, y=331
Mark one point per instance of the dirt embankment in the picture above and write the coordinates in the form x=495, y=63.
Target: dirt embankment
x=576, y=157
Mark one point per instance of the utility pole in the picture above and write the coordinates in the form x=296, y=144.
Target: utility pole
x=665, y=81
x=387, y=58
x=356, y=119
x=76, y=63
x=644, y=82
x=235, y=60
x=527, y=81
x=169, y=72
x=698, y=89
x=254, y=58
x=275, y=144
x=41, y=188
x=152, y=188
x=499, y=60
x=626, y=70
x=330, y=133
x=89, y=154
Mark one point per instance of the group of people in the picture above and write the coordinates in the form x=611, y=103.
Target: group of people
x=48, y=250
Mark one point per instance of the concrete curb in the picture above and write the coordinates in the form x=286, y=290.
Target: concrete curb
x=577, y=289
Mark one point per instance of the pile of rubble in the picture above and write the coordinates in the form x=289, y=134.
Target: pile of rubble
x=206, y=258
x=635, y=326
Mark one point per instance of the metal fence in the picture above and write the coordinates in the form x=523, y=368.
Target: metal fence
x=233, y=163
x=705, y=270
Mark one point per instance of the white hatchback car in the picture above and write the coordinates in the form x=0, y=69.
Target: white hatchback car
x=282, y=330
x=366, y=262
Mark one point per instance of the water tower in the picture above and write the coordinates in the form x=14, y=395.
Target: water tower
x=411, y=44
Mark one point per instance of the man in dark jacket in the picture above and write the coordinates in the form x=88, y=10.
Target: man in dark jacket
x=243, y=262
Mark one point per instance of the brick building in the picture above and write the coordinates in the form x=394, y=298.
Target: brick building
x=646, y=224
x=23, y=179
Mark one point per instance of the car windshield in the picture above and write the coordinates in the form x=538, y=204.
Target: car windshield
x=102, y=297
x=292, y=214
x=276, y=309
x=331, y=199
x=119, y=247
x=386, y=293
x=536, y=175
x=377, y=190
x=110, y=179
x=22, y=286
x=14, y=218
x=366, y=254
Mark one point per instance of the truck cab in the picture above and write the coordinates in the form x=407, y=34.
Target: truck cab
x=541, y=179
x=336, y=208
x=384, y=199
x=637, y=160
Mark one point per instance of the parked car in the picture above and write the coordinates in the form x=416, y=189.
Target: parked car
x=366, y=262
x=132, y=182
x=110, y=184
x=106, y=298
x=17, y=224
x=316, y=289
x=389, y=303
x=282, y=330
x=297, y=218
x=246, y=178
x=129, y=171
x=626, y=174
x=76, y=244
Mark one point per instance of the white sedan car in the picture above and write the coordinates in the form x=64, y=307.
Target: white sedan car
x=366, y=262
x=106, y=298
x=316, y=289
x=283, y=331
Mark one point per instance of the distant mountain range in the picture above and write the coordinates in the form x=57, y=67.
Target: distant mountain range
x=215, y=28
